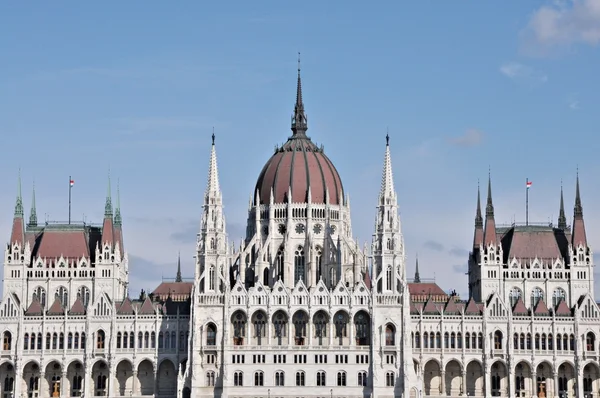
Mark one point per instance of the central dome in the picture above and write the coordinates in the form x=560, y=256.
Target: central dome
x=299, y=164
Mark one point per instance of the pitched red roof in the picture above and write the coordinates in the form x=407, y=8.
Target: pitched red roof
x=77, y=308
x=416, y=289
x=562, y=309
x=147, y=308
x=415, y=308
x=367, y=280
x=451, y=307
x=532, y=241
x=18, y=231
x=56, y=308
x=519, y=308
x=541, y=308
x=173, y=288
x=472, y=308
x=126, y=308
x=66, y=243
x=35, y=308
x=430, y=308
x=107, y=231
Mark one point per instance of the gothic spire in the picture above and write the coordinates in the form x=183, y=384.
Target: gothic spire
x=213, y=186
x=579, y=235
x=108, y=209
x=490, y=223
x=299, y=120
x=417, y=276
x=118, y=219
x=387, y=177
x=489, y=208
x=562, y=219
x=33, y=215
x=578, y=210
x=178, y=277
x=478, y=217
x=19, y=202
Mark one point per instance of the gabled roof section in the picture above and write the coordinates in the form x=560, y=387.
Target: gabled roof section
x=451, y=307
x=541, y=308
x=35, y=308
x=147, y=308
x=472, y=308
x=367, y=279
x=562, y=309
x=430, y=308
x=69, y=242
x=519, y=308
x=77, y=308
x=56, y=308
x=126, y=308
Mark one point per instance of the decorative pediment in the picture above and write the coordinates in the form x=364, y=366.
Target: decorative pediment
x=300, y=294
x=279, y=294
x=258, y=294
x=472, y=308
x=320, y=294
x=10, y=307
x=340, y=294
x=430, y=308
x=536, y=264
x=496, y=306
x=587, y=307
x=514, y=263
x=103, y=305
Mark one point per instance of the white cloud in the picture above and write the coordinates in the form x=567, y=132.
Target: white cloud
x=562, y=24
x=573, y=102
x=515, y=70
x=470, y=138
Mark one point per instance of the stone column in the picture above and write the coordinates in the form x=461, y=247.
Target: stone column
x=534, y=384
x=155, y=370
x=443, y=382
x=464, y=382
x=555, y=387
x=511, y=379
x=63, y=383
x=112, y=378
x=43, y=383
x=18, y=378
x=134, y=382
x=487, y=382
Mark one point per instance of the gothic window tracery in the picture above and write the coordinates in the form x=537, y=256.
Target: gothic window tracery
x=318, y=261
x=341, y=326
x=536, y=295
x=280, y=326
x=239, y=327
x=211, y=278
x=83, y=293
x=300, y=320
x=363, y=329
x=515, y=294
x=39, y=294
x=62, y=295
x=299, y=265
x=259, y=322
x=320, y=321
x=558, y=296
x=279, y=264
x=388, y=278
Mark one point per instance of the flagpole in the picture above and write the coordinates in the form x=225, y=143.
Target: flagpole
x=527, y=201
x=70, y=186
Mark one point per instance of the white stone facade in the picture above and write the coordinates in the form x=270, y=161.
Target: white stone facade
x=299, y=309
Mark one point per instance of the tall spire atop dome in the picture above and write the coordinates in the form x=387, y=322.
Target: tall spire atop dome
x=417, y=276
x=33, y=214
x=178, y=277
x=19, y=202
x=299, y=121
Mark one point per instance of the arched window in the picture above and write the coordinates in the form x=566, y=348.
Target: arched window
x=76, y=341
x=558, y=296
x=279, y=379
x=320, y=322
x=388, y=278
x=26, y=341
x=259, y=378
x=362, y=324
x=259, y=322
x=515, y=295
x=238, y=321
x=300, y=379
x=140, y=338
x=153, y=340
x=168, y=340
x=390, y=335
x=279, y=266
x=211, y=334
x=119, y=336
x=299, y=320
x=6, y=341
x=266, y=276
x=161, y=340
x=238, y=379
x=39, y=294
x=417, y=339
x=100, y=340
x=63, y=296
x=536, y=295
x=146, y=340
x=280, y=326
x=83, y=293
x=319, y=262
x=70, y=341
x=390, y=378
x=341, y=379
x=211, y=278
x=321, y=379
x=362, y=378
x=590, y=341
x=340, y=322
x=299, y=265
x=210, y=378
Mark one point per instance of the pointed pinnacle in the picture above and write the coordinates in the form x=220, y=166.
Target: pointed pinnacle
x=118, y=208
x=489, y=210
x=562, y=219
x=299, y=86
x=19, y=202
x=178, y=277
x=417, y=276
x=213, y=186
x=108, y=209
x=33, y=214
x=478, y=217
x=387, y=178
x=578, y=208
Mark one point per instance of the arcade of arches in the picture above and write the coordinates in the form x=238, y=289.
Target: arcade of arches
x=54, y=380
x=452, y=379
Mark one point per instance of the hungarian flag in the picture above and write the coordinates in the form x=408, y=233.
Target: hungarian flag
x=72, y=182
x=528, y=184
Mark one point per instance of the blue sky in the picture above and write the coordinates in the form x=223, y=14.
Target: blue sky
x=462, y=87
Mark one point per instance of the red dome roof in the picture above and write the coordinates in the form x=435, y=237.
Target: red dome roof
x=299, y=164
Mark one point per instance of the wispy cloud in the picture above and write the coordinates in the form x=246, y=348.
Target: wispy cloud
x=573, y=102
x=471, y=137
x=433, y=245
x=562, y=24
x=518, y=71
